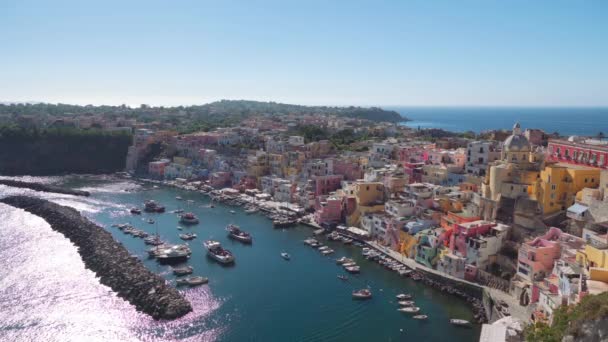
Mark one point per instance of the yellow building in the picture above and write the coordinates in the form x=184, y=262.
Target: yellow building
x=558, y=185
x=594, y=258
x=369, y=197
x=407, y=244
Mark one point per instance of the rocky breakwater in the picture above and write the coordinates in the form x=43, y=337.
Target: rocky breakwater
x=109, y=259
x=42, y=187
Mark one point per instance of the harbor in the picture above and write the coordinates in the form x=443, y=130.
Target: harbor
x=243, y=298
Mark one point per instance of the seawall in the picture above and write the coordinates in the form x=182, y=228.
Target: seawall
x=109, y=259
x=42, y=187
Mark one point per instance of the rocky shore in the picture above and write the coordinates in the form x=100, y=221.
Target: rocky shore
x=43, y=187
x=109, y=259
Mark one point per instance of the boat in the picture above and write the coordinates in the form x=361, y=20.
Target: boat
x=323, y=248
x=179, y=271
x=409, y=309
x=420, y=317
x=342, y=277
x=406, y=302
x=188, y=218
x=362, y=294
x=347, y=241
x=218, y=253
x=460, y=322
x=349, y=263
x=173, y=254
x=192, y=281
x=153, y=240
x=179, y=198
x=353, y=269
x=150, y=221
x=344, y=260
x=135, y=211
x=151, y=206
x=403, y=296
x=178, y=211
x=232, y=212
x=282, y=223
x=251, y=211
x=187, y=236
x=235, y=232
x=285, y=256
x=327, y=251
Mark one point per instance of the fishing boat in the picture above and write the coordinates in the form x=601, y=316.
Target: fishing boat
x=135, y=211
x=184, y=270
x=410, y=309
x=460, y=322
x=188, y=218
x=285, y=256
x=174, y=254
x=362, y=294
x=187, y=236
x=151, y=206
x=235, y=232
x=403, y=296
x=218, y=253
x=420, y=317
x=192, y=281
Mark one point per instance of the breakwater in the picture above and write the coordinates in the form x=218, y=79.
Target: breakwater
x=43, y=187
x=110, y=260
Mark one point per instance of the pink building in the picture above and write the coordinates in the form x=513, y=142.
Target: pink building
x=410, y=154
x=588, y=153
x=157, y=168
x=219, y=179
x=351, y=170
x=326, y=184
x=536, y=257
x=464, y=231
x=328, y=210
x=414, y=171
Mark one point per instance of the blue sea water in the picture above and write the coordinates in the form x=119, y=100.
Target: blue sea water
x=48, y=295
x=566, y=121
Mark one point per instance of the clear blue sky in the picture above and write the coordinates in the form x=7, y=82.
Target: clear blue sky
x=486, y=52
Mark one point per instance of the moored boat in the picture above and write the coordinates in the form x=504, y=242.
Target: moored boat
x=406, y=302
x=235, y=232
x=362, y=294
x=188, y=218
x=192, y=281
x=420, y=317
x=151, y=206
x=409, y=309
x=353, y=269
x=187, y=236
x=173, y=254
x=218, y=253
x=135, y=211
x=460, y=322
x=403, y=296
x=179, y=271
x=344, y=260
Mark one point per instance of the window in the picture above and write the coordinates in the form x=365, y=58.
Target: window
x=553, y=186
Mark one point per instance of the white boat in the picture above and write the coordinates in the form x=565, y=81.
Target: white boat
x=460, y=322
x=362, y=294
x=344, y=260
x=218, y=253
x=251, y=211
x=174, y=254
x=349, y=263
x=179, y=198
x=187, y=236
x=323, y=248
x=421, y=317
x=188, y=218
x=232, y=212
x=285, y=256
x=327, y=251
x=403, y=296
x=406, y=302
x=353, y=269
x=410, y=309
x=182, y=270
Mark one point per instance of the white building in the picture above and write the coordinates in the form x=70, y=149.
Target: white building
x=479, y=154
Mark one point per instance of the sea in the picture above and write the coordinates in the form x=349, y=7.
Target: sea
x=48, y=295
x=566, y=121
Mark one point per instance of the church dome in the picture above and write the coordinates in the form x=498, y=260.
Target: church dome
x=517, y=142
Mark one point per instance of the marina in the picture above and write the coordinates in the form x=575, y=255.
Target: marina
x=375, y=318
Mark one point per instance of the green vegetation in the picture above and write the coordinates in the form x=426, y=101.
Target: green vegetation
x=345, y=139
x=203, y=117
x=61, y=150
x=568, y=320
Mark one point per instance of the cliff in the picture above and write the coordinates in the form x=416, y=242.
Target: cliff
x=109, y=259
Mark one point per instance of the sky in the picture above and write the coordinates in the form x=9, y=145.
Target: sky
x=412, y=53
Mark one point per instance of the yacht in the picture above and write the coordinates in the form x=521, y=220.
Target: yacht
x=174, y=254
x=353, y=269
x=188, y=218
x=218, y=253
x=187, y=236
x=362, y=294
x=285, y=256
x=235, y=232
x=406, y=302
x=409, y=309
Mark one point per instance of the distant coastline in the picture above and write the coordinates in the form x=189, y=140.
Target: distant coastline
x=566, y=121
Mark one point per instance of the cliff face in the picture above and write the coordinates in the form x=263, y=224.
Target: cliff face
x=590, y=331
x=109, y=259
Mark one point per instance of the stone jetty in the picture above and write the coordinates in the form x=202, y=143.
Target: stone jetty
x=109, y=259
x=43, y=187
